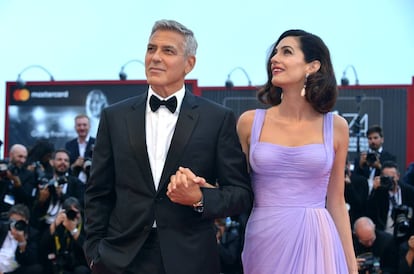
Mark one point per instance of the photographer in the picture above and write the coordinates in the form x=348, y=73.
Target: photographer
x=16, y=182
x=62, y=244
x=81, y=148
x=38, y=158
x=375, y=250
x=370, y=162
x=53, y=192
x=19, y=243
x=390, y=203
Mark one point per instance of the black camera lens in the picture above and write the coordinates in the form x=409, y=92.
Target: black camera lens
x=18, y=225
x=71, y=214
x=387, y=182
x=371, y=158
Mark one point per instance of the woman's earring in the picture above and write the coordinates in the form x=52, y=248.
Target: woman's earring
x=281, y=96
x=303, y=91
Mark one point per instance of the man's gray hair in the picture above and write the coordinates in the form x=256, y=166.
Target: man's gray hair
x=190, y=44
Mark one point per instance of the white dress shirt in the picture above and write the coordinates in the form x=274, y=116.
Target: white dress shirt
x=159, y=129
x=82, y=149
x=8, y=261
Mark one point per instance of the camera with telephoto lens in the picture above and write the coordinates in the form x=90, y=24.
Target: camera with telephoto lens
x=18, y=225
x=372, y=157
x=6, y=166
x=3, y=168
x=371, y=264
x=402, y=215
x=387, y=182
x=54, y=182
x=87, y=163
x=70, y=213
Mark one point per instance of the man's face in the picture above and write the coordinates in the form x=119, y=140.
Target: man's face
x=61, y=162
x=166, y=64
x=375, y=141
x=18, y=157
x=82, y=127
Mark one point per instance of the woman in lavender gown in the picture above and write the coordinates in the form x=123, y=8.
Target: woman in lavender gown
x=297, y=151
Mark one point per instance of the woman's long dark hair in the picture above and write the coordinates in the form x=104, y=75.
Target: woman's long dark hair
x=321, y=88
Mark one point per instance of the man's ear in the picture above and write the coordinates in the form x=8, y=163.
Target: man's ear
x=191, y=60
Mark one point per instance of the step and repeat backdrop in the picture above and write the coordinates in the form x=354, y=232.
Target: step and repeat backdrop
x=46, y=110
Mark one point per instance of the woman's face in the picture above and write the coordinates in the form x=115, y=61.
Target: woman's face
x=96, y=104
x=288, y=63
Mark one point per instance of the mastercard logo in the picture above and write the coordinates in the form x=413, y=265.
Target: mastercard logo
x=21, y=94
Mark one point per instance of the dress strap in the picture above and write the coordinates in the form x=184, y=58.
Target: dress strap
x=328, y=130
x=257, y=125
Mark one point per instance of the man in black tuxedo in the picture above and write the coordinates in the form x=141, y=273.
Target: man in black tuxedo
x=81, y=148
x=147, y=146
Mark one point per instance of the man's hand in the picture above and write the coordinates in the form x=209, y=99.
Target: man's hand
x=62, y=219
x=362, y=159
x=18, y=235
x=183, y=188
x=14, y=178
x=78, y=162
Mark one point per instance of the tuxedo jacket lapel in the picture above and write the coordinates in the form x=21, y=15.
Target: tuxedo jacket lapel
x=186, y=123
x=136, y=131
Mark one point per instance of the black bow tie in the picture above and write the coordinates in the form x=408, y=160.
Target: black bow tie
x=155, y=103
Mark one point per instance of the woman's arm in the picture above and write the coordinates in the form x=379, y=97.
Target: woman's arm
x=335, y=196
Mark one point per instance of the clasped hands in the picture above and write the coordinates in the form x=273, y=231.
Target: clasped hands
x=184, y=187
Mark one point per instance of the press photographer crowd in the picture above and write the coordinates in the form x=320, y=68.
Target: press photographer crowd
x=41, y=207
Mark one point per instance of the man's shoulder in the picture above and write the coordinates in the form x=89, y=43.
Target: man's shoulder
x=129, y=101
x=387, y=156
x=203, y=102
x=408, y=189
x=71, y=142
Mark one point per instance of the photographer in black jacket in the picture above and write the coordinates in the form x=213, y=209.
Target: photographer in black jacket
x=19, y=243
x=375, y=250
x=16, y=182
x=61, y=245
x=52, y=192
x=390, y=203
x=370, y=162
